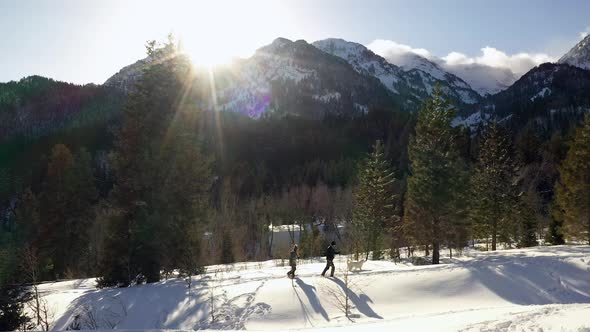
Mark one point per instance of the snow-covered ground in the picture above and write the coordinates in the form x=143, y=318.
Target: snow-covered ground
x=539, y=289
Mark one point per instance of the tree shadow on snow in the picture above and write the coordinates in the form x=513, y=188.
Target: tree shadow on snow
x=361, y=302
x=170, y=305
x=529, y=280
x=312, y=297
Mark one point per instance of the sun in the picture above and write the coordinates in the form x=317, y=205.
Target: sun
x=210, y=53
x=217, y=32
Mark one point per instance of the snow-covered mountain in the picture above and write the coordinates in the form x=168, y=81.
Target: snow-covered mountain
x=548, y=95
x=485, y=80
x=416, y=77
x=296, y=77
x=579, y=55
x=287, y=77
x=364, y=61
x=338, y=76
x=126, y=77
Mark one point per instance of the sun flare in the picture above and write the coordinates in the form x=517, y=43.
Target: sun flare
x=214, y=33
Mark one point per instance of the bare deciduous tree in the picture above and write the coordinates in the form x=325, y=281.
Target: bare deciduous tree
x=39, y=306
x=340, y=295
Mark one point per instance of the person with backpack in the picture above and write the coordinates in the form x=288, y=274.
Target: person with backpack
x=293, y=256
x=330, y=254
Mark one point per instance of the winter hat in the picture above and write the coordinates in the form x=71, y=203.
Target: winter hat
x=333, y=243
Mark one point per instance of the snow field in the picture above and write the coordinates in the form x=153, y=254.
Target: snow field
x=537, y=289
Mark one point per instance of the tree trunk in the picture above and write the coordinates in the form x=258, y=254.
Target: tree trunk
x=435, y=252
x=37, y=304
x=450, y=252
x=435, y=243
x=272, y=234
x=494, y=231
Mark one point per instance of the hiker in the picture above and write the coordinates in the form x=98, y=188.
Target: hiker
x=293, y=256
x=330, y=253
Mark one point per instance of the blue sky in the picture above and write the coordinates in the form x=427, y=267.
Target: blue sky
x=87, y=41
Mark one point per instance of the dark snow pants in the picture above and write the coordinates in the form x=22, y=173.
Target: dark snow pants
x=329, y=263
x=292, y=272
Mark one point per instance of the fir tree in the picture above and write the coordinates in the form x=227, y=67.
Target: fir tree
x=555, y=232
x=375, y=202
x=436, y=178
x=493, y=193
x=66, y=210
x=573, y=188
x=12, y=314
x=162, y=178
x=527, y=223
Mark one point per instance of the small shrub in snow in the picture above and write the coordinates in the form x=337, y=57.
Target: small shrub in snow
x=420, y=261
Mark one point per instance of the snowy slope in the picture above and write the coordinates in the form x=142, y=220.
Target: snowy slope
x=363, y=61
x=287, y=74
x=414, y=78
x=530, y=289
x=579, y=55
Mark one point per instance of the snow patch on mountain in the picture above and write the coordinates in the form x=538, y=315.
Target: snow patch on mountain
x=579, y=55
x=472, y=121
x=361, y=108
x=541, y=94
x=327, y=97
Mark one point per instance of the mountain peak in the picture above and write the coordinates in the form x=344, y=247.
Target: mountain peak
x=579, y=55
x=276, y=45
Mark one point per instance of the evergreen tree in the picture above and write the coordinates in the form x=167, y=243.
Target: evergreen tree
x=555, y=234
x=527, y=223
x=493, y=193
x=573, y=188
x=436, y=178
x=227, y=255
x=66, y=211
x=162, y=178
x=12, y=313
x=375, y=203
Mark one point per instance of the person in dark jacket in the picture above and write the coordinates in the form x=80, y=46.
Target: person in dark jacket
x=330, y=253
x=293, y=256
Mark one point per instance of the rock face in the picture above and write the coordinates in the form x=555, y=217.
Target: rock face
x=579, y=55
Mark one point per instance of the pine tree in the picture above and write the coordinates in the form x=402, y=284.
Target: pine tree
x=375, y=203
x=436, y=178
x=555, y=234
x=66, y=210
x=493, y=193
x=573, y=188
x=527, y=223
x=12, y=314
x=162, y=178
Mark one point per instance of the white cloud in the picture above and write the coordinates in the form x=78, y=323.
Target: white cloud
x=518, y=63
x=389, y=48
x=585, y=33
x=456, y=58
